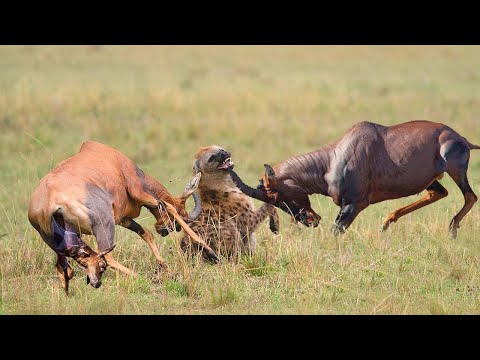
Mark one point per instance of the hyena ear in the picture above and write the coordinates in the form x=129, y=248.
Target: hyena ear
x=196, y=166
x=269, y=178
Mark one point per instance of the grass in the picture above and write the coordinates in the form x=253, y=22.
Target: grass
x=159, y=104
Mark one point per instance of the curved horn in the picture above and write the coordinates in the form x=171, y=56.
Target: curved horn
x=254, y=193
x=195, y=213
x=210, y=253
x=191, y=186
x=105, y=252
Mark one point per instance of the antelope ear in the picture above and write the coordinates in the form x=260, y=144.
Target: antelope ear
x=105, y=252
x=83, y=252
x=269, y=178
x=191, y=186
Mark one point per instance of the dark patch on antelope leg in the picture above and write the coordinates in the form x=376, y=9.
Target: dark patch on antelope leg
x=146, y=235
x=101, y=219
x=64, y=271
x=347, y=214
x=461, y=180
x=48, y=239
x=133, y=226
x=66, y=240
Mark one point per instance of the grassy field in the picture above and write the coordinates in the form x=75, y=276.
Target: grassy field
x=159, y=104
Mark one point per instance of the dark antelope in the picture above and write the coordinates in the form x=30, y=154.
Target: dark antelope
x=369, y=164
x=95, y=190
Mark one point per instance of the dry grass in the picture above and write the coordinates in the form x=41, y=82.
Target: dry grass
x=159, y=104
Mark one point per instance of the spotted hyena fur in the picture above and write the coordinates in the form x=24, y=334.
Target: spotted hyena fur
x=229, y=218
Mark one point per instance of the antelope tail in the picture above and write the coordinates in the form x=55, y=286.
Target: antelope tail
x=473, y=147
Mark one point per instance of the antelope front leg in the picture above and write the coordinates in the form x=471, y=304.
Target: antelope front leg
x=114, y=264
x=145, y=235
x=435, y=192
x=64, y=271
x=345, y=217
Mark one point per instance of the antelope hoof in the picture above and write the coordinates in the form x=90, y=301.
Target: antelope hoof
x=385, y=226
x=453, y=233
x=66, y=288
x=211, y=256
x=69, y=273
x=274, y=230
x=337, y=230
x=162, y=266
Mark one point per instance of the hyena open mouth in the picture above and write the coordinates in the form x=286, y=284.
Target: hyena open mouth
x=227, y=164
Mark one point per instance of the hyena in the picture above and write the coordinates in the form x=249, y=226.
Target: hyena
x=229, y=218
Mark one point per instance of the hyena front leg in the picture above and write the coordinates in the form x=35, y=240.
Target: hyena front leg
x=274, y=221
x=255, y=219
x=259, y=215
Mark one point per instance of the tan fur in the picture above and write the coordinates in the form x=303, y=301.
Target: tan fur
x=64, y=187
x=99, y=188
x=229, y=218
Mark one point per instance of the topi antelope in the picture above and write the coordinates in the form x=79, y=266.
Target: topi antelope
x=369, y=164
x=95, y=190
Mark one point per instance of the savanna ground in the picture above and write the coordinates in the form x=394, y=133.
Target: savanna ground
x=159, y=104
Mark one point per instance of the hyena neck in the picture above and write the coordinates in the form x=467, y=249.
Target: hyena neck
x=216, y=187
x=218, y=181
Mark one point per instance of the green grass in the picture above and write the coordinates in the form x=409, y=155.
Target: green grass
x=159, y=104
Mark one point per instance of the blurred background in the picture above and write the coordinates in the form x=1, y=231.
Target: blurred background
x=159, y=104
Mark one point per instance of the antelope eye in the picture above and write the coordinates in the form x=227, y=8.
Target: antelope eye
x=211, y=158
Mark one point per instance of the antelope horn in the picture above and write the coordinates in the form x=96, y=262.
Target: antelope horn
x=171, y=210
x=195, y=213
x=105, y=252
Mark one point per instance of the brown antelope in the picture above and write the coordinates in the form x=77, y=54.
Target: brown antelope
x=90, y=193
x=369, y=164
